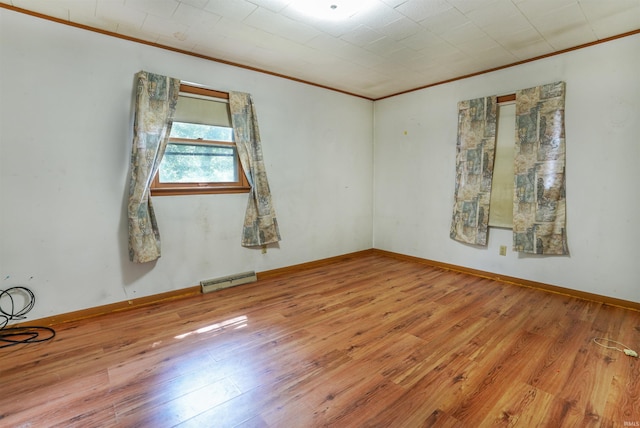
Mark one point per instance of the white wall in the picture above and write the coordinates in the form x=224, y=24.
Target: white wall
x=65, y=136
x=414, y=173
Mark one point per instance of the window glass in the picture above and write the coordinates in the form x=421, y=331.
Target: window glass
x=198, y=163
x=501, y=205
x=195, y=131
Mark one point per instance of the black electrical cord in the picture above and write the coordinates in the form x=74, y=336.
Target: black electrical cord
x=10, y=336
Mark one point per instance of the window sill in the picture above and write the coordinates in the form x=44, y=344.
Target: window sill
x=177, y=191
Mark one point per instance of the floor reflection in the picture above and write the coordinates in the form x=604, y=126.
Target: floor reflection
x=233, y=323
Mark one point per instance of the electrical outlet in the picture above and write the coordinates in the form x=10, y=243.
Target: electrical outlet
x=503, y=250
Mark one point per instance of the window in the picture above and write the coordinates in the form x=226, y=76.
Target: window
x=502, y=187
x=201, y=156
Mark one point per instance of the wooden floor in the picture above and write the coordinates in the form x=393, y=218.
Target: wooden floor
x=370, y=341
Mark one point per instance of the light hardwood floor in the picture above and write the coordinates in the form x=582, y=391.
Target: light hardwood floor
x=370, y=341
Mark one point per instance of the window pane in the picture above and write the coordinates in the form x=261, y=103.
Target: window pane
x=198, y=163
x=195, y=131
x=501, y=204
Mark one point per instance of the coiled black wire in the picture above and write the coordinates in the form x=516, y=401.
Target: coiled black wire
x=10, y=336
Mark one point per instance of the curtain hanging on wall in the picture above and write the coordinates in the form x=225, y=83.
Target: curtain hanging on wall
x=156, y=98
x=475, y=151
x=539, y=211
x=260, y=224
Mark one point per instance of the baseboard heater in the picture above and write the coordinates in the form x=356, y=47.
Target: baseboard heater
x=209, y=285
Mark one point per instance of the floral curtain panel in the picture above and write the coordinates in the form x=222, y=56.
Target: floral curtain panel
x=260, y=224
x=475, y=151
x=539, y=206
x=156, y=98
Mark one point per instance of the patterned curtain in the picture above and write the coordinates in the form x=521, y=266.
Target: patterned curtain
x=156, y=98
x=539, y=211
x=260, y=224
x=475, y=151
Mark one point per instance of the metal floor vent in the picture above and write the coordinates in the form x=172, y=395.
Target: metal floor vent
x=209, y=285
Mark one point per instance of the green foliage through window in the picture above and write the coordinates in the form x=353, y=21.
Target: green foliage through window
x=195, y=131
x=194, y=163
x=199, y=162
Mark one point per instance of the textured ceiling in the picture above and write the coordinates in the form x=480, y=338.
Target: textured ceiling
x=385, y=47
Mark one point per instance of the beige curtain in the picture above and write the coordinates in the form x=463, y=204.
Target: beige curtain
x=156, y=98
x=539, y=210
x=260, y=224
x=474, y=170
